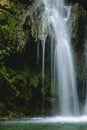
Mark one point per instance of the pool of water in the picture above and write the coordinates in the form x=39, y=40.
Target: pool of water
x=54, y=123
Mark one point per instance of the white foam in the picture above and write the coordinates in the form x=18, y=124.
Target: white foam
x=56, y=119
x=59, y=119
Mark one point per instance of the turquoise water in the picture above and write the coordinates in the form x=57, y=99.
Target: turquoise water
x=43, y=127
x=28, y=124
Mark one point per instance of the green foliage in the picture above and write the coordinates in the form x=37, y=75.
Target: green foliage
x=5, y=52
x=11, y=31
x=34, y=80
x=19, y=88
x=8, y=30
x=25, y=86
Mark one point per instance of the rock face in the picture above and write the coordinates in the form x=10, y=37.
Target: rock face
x=77, y=26
x=81, y=2
x=77, y=22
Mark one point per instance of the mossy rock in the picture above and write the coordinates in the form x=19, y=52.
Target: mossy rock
x=76, y=23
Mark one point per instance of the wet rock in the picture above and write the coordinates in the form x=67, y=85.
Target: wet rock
x=77, y=23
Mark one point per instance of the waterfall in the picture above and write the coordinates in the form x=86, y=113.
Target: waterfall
x=55, y=17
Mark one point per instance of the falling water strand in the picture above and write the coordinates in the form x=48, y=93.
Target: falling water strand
x=43, y=61
x=38, y=51
x=55, y=16
x=43, y=73
x=52, y=76
x=85, y=78
x=54, y=105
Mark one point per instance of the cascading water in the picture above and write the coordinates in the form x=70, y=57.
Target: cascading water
x=55, y=16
